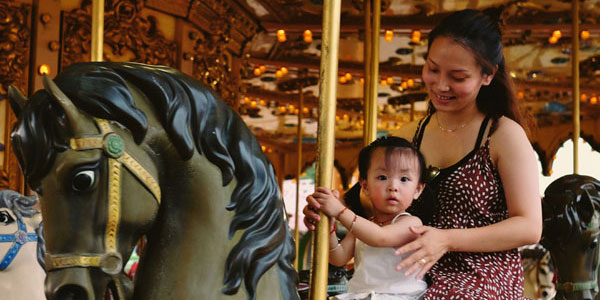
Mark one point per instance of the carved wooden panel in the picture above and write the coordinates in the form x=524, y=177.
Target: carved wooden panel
x=226, y=19
x=225, y=28
x=15, y=36
x=128, y=36
x=174, y=7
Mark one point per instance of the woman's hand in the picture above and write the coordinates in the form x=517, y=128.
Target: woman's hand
x=428, y=248
x=311, y=211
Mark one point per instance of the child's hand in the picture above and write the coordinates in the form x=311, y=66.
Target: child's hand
x=328, y=200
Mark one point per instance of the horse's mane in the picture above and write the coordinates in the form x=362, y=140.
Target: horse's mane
x=193, y=119
x=562, y=221
x=22, y=207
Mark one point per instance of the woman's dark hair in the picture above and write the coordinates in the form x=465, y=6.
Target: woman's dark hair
x=390, y=143
x=481, y=34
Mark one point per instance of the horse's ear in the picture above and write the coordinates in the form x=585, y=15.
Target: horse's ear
x=585, y=204
x=76, y=118
x=16, y=99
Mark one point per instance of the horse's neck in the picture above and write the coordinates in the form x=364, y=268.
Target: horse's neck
x=187, y=246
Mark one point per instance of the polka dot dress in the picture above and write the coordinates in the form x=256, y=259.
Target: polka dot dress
x=470, y=195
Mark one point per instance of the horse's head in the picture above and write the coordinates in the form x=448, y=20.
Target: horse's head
x=571, y=209
x=84, y=169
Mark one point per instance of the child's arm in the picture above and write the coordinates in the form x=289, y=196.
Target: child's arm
x=394, y=235
x=340, y=254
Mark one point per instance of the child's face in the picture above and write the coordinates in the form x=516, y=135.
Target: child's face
x=392, y=180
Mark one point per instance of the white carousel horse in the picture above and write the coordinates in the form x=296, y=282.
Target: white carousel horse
x=21, y=248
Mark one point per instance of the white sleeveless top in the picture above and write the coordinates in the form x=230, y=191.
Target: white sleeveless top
x=375, y=273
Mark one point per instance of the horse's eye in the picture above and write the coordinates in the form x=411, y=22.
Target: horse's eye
x=83, y=180
x=5, y=218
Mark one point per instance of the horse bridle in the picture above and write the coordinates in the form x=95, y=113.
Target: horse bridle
x=110, y=262
x=19, y=238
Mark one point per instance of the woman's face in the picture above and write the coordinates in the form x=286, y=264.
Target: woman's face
x=452, y=75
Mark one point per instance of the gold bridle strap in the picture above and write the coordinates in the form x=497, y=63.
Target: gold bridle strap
x=111, y=143
x=96, y=142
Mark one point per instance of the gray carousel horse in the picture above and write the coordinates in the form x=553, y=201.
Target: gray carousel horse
x=21, y=248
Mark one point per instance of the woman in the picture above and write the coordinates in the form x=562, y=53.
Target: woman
x=486, y=195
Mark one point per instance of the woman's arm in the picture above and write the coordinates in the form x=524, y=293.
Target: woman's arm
x=516, y=163
x=392, y=235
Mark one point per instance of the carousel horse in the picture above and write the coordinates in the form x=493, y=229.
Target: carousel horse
x=120, y=150
x=21, y=248
x=537, y=272
x=571, y=211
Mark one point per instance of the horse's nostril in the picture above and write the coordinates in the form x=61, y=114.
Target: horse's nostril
x=71, y=292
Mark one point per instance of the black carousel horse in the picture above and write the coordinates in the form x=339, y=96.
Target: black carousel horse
x=121, y=150
x=571, y=210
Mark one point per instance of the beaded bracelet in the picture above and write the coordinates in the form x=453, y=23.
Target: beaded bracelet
x=353, y=222
x=333, y=249
x=341, y=212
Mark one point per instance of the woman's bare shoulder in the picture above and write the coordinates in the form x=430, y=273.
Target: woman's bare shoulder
x=508, y=136
x=508, y=129
x=407, y=131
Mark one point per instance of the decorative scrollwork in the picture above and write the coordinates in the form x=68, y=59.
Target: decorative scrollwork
x=14, y=45
x=15, y=37
x=224, y=30
x=128, y=35
x=360, y=4
x=212, y=64
x=76, y=35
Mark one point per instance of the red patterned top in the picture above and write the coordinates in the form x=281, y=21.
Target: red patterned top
x=469, y=195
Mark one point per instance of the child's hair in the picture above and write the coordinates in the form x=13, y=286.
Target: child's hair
x=390, y=143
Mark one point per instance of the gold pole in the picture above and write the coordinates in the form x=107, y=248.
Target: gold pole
x=372, y=71
x=575, y=63
x=368, y=53
x=299, y=175
x=97, y=30
x=325, y=141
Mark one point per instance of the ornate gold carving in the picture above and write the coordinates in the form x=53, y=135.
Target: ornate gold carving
x=360, y=4
x=213, y=66
x=174, y=7
x=14, y=45
x=15, y=36
x=126, y=33
x=76, y=35
x=225, y=27
x=225, y=19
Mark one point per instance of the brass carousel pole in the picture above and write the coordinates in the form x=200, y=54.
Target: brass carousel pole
x=97, y=29
x=575, y=67
x=371, y=58
x=325, y=141
x=298, y=175
x=367, y=60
